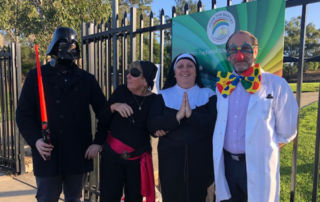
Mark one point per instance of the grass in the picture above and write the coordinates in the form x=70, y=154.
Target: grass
x=306, y=87
x=305, y=159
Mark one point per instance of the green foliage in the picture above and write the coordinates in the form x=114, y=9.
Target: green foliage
x=305, y=159
x=292, y=44
x=28, y=59
x=306, y=87
x=36, y=20
x=180, y=4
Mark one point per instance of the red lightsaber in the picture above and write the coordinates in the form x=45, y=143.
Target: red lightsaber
x=43, y=108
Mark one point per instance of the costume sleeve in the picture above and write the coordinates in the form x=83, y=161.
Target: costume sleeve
x=104, y=115
x=27, y=116
x=161, y=119
x=286, y=113
x=204, y=120
x=99, y=106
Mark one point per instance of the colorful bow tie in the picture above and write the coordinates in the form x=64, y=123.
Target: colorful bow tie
x=250, y=80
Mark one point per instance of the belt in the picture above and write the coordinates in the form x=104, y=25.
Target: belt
x=146, y=169
x=235, y=157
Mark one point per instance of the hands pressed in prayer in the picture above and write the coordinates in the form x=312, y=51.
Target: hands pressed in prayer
x=185, y=109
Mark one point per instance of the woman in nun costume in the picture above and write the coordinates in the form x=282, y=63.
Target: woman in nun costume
x=183, y=116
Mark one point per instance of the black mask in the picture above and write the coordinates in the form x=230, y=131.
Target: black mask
x=66, y=51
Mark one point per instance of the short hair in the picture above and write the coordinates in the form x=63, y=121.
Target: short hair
x=254, y=39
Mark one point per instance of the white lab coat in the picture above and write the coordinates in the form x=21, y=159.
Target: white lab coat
x=268, y=123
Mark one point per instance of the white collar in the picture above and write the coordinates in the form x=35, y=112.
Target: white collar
x=197, y=96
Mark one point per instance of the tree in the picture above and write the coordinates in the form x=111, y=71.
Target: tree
x=180, y=4
x=292, y=45
x=37, y=19
x=1, y=40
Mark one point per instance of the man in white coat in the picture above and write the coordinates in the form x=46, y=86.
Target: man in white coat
x=257, y=115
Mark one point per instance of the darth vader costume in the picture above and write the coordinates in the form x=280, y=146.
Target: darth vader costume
x=69, y=93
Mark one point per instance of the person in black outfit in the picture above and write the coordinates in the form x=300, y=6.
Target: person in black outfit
x=69, y=91
x=128, y=143
x=183, y=116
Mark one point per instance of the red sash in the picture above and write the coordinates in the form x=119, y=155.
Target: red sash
x=146, y=169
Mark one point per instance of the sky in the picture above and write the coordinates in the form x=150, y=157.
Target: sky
x=313, y=9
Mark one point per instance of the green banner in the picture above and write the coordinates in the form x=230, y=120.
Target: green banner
x=205, y=34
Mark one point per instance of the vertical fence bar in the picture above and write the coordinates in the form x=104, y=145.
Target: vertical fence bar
x=299, y=84
x=84, y=46
x=161, y=69
x=2, y=132
x=186, y=9
x=103, y=58
x=96, y=55
x=108, y=61
x=124, y=49
x=141, y=39
x=199, y=6
x=151, y=38
x=91, y=69
x=213, y=4
x=115, y=25
x=1, y=105
x=15, y=135
x=316, y=156
x=6, y=111
x=133, y=39
x=100, y=54
x=174, y=12
x=11, y=63
x=18, y=83
x=122, y=38
x=91, y=59
x=229, y=2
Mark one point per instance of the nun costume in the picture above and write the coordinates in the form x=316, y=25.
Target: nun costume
x=185, y=150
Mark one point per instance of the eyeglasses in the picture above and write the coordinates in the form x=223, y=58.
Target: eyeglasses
x=135, y=72
x=244, y=48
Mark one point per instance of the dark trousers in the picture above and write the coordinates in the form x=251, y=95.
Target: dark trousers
x=118, y=175
x=236, y=175
x=49, y=188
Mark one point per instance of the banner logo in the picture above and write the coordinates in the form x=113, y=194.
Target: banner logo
x=220, y=27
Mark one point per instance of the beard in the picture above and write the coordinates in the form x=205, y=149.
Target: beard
x=242, y=66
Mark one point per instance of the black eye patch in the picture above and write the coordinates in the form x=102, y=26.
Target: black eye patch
x=135, y=72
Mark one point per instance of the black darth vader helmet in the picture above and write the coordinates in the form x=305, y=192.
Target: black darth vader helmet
x=68, y=37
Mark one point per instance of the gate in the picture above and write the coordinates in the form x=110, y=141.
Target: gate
x=11, y=143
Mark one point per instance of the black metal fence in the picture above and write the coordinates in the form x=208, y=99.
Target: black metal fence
x=109, y=47
x=11, y=143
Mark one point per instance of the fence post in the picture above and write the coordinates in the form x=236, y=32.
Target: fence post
x=151, y=38
x=108, y=61
x=141, y=39
x=316, y=156
x=91, y=50
x=16, y=73
x=213, y=4
x=133, y=40
x=124, y=49
x=299, y=84
x=115, y=25
x=199, y=6
x=161, y=49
